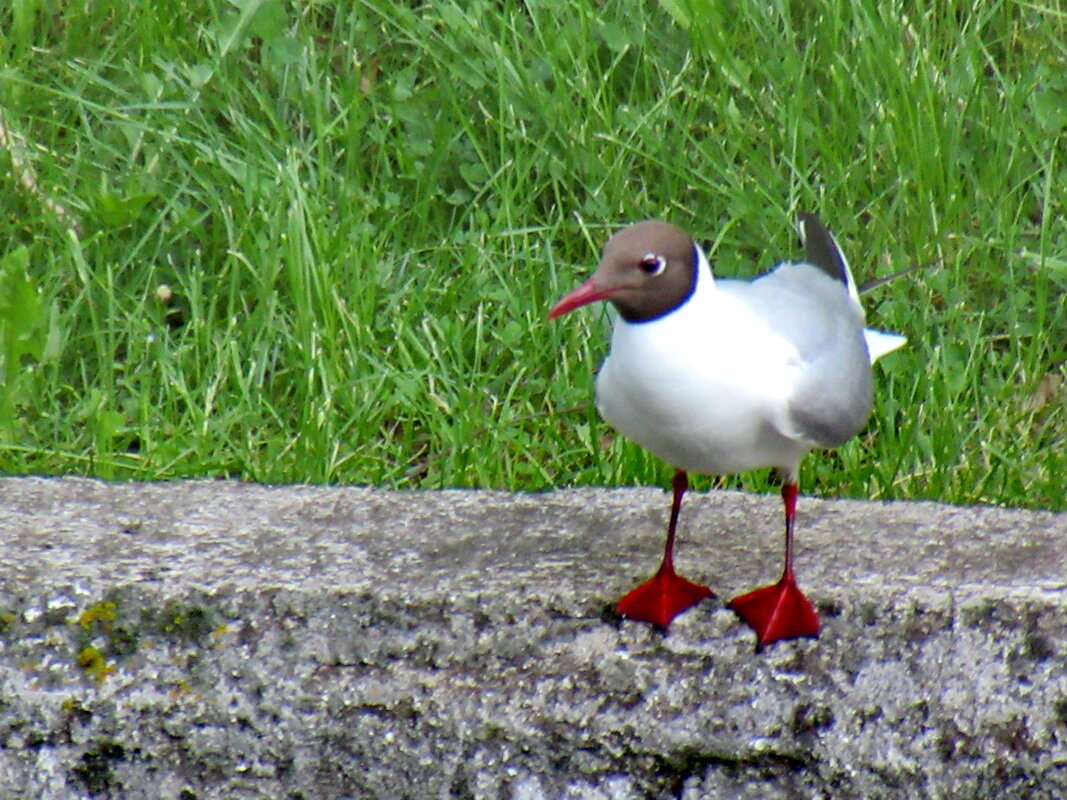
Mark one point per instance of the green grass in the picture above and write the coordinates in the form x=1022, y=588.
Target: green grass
x=364, y=210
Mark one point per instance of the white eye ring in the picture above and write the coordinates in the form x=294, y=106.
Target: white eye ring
x=652, y=264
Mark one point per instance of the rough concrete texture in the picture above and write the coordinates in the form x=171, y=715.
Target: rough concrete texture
x=222, y=640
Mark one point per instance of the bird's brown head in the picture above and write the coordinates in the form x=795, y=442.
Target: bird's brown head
x=646, y=270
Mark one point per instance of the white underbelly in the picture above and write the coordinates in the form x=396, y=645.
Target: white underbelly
x=713, y=428
x=720, y=413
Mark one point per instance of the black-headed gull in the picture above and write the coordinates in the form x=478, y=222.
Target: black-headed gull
x=720, y=376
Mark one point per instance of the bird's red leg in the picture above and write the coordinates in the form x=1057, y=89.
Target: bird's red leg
x=666, y=594
x=780, y=611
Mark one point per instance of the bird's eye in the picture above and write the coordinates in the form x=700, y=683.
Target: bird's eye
x=652, y=264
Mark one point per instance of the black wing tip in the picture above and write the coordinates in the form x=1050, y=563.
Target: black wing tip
x=811, y=227
x=820, y=247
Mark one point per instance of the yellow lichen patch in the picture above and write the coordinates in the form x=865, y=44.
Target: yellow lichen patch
x=180, y=689
x=103, y=612
x=92, y=661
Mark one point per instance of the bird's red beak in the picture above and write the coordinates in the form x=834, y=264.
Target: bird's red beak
x=587, y=293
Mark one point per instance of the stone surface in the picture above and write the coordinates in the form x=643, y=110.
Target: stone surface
x=222, y=640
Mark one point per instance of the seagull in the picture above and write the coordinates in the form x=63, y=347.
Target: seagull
x=718, y=376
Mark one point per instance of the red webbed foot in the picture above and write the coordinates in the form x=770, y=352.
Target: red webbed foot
x=662, y=598
x=777, y=612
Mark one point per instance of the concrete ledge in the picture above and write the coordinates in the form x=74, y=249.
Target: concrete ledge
x=221, y=640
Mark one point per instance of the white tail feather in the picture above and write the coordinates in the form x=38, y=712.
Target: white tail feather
x=880, y=343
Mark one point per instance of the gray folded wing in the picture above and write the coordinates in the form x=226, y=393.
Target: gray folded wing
x=832, y=397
